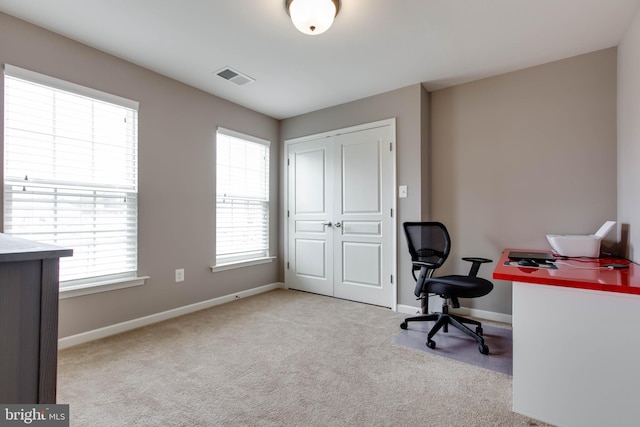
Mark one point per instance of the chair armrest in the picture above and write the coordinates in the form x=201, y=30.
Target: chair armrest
x=419, y=265
x=423, y=264
x=475, y=266
x=426, y=271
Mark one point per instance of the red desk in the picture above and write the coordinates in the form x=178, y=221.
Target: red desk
x=581, y=273
x=576, y=341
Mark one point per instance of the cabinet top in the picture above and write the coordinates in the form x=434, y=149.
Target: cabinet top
x=17, y=249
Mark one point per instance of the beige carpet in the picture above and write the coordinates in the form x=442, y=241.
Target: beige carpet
x=283, y=358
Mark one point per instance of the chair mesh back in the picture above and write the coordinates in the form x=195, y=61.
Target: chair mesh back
x=428, y=242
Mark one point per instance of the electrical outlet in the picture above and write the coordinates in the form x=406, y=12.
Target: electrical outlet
x=402, y=191
x=180, y=275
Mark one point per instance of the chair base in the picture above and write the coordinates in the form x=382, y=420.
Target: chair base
x=443, y=320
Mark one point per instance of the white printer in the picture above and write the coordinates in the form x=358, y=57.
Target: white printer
x=579, y=245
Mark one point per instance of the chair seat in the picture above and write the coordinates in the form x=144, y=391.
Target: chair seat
x=459, y=286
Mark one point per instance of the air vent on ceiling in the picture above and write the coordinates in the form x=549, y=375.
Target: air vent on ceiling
x=234, y=76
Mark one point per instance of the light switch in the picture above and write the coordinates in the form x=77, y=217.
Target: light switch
x=180, y=275
x=402, y=191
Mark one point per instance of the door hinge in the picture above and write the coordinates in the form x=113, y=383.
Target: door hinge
x=391, y=279
x=287, y=214
x=287, y=265
x=391, y=213
x=288, y=162
x=391, y=146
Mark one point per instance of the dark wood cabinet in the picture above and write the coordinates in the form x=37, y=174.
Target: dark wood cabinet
x=29, y=280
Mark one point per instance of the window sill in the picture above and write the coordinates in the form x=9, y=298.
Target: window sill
x=240, y=264
x=94, y=288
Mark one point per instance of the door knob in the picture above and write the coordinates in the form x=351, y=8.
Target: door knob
x=328, y=223
x=338, y=224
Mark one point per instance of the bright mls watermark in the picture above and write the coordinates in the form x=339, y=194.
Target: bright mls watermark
x=34, y=415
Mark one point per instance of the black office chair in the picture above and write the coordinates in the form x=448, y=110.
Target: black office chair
x=429, y=246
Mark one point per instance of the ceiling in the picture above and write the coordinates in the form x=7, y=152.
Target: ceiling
x=373, y=47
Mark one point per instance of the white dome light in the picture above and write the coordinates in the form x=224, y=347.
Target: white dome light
x=312, y=16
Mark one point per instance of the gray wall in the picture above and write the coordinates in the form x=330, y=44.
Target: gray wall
x=524, y=154
x=508, y=159
x=176, y=177
x=409, y=106
x=629, y=138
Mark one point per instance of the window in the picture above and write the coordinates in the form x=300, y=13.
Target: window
x=70, y=174
x=242, y=198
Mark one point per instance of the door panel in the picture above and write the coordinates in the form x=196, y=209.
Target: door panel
x=310, y=258
x=362, y=228
x=356, y=255
x=361, y=190
x=310, y=182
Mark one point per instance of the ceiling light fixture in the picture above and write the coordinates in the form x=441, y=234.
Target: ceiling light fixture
x=312, y=16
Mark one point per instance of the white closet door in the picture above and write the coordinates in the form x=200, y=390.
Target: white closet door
x=341, y=227
x=363, y=198
x=310, y=234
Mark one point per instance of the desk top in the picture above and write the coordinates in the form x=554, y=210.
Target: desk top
x=16, y=249
x=580, y=273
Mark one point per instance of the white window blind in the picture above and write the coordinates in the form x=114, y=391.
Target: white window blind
x=242, y=199
x=70, y=173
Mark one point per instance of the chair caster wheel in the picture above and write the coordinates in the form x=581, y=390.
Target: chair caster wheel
x=484, y=349
x=403, y=325
x=431, y=344
x=479, y=330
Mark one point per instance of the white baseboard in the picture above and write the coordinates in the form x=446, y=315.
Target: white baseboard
x=95, y=334
x=463, y=311
x=482, y=314
x=106, y=331
x=407, y=309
